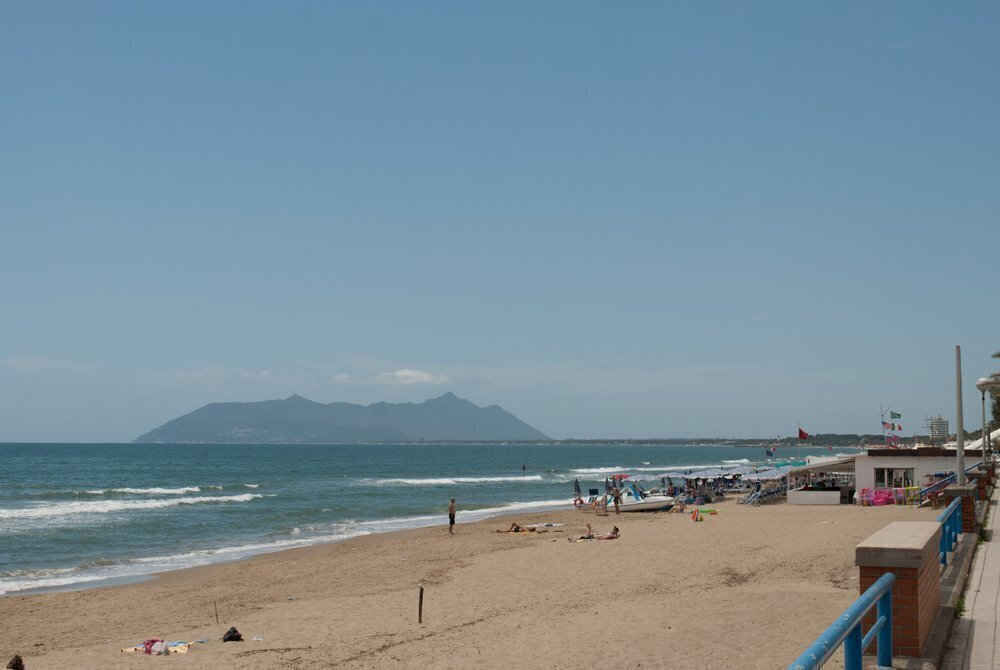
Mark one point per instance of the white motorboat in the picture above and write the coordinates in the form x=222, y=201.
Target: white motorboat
x=635, y=500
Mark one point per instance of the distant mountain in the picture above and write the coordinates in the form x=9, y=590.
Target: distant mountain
x=296, y=420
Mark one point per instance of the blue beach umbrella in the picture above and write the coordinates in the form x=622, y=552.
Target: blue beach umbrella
x=576, y=487
x=607, y=485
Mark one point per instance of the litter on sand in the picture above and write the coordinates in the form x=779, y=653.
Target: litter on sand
x=158, y=647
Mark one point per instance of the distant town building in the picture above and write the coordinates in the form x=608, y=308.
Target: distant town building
x=939, y=429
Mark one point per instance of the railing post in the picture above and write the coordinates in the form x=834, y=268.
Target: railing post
x=847, y=630
x=852, y=649
x=884, y=639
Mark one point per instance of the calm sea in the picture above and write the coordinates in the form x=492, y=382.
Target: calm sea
x=74, y=515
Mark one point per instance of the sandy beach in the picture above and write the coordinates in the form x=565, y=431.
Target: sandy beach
x=746, y=588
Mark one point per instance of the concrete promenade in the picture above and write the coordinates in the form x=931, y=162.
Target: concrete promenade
x=975, y=642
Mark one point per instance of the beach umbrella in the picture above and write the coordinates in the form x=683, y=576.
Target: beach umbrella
x=576, y=487
x=607, y=485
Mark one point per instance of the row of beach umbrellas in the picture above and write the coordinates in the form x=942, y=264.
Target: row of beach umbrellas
x=747, y=472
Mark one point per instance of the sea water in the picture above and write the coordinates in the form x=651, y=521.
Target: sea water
x=77, y=515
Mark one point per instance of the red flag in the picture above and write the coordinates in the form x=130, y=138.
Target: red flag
x=803, y=435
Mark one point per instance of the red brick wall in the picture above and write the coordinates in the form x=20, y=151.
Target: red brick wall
x=968, y=514
x=916, y=599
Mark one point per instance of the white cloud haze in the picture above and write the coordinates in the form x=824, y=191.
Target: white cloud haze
x=407, y=376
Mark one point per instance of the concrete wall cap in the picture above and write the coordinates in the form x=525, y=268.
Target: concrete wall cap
x=901, y=544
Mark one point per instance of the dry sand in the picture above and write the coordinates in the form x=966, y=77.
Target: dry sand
x=747, y=588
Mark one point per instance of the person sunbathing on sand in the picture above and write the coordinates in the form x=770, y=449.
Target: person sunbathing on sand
x=515, y=528
x=613, y=535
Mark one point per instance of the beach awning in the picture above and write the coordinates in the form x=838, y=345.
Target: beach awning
x=845, y=464
x=768, y=475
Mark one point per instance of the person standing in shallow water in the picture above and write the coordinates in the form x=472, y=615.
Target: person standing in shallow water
x=451, y=517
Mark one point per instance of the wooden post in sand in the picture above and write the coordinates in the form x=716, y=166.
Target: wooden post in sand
x=216, y=611
x=420, y=606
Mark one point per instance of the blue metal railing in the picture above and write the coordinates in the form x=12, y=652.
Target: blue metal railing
x=847, y=630
x=941, y=483
x=951, y=527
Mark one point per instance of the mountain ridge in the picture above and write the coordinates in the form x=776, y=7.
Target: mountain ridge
x=299, y=420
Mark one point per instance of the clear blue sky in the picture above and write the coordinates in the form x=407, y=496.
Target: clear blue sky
x=638, y=219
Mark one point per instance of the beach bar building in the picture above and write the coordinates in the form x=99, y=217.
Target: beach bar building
x=907, y=468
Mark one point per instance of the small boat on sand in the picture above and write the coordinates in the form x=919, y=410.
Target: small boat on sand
x=636, y=500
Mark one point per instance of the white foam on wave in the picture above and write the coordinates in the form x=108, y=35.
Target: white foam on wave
x=446, y=481
x=527, y=505
x=105, y=506
x=598, y=471
x=150, y=491
x=662, y=468
x=252, y=486
x=681, y=468
x=20, y=580
x=665, y=469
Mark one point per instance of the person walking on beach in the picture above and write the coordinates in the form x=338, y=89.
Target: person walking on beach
x=617, y=497
x=451, y=517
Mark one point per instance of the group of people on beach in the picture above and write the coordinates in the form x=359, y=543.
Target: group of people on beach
x=515, y=527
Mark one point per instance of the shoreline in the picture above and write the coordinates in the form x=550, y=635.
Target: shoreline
x=127, y=579
x=770, y=577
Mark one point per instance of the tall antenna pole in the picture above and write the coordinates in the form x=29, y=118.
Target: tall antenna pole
x=959, y=427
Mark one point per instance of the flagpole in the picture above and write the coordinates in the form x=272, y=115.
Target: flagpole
x=882, y=410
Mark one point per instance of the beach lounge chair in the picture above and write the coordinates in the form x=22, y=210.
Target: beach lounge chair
x=594, y=503
x=882, y=497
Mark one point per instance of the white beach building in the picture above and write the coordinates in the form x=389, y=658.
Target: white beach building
x=897, y=468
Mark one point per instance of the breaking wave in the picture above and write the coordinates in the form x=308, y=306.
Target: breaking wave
x=106, y=506
x=150, y=491
x=446, y=481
